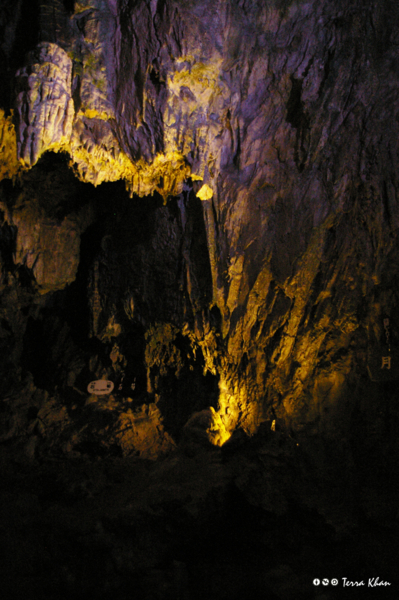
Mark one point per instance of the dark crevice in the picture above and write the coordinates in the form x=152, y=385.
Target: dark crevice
x=69, y=5
x=15, y=46
x=295, y=112
x=190, y=392
x=298, y=118
x=327, y=70
x=7, y=244
x=27, y=32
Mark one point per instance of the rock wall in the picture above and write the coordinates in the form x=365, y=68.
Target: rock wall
x=272, y=129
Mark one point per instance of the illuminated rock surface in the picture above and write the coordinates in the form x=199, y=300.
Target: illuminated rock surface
x=199, y=202
x=45, y=103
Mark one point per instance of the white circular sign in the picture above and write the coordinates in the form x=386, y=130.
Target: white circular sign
x=100, y=387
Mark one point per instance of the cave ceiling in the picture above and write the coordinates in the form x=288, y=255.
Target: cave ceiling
x=200, y=196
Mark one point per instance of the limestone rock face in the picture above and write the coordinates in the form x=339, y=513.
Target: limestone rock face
x=271, y=128
x=50, y=250
x=198, y=203
x=65, y=102
x=44, y=101
x=41, y=232
x=9, y=165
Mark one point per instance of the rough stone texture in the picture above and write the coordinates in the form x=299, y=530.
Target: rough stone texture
x=239, y=289
x=48, y=249
x=40, y=238
x=65, y=102
x=44, y=101
x=269, y=104
x=9, y=165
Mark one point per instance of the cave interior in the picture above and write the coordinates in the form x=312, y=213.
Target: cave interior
x=199, y=291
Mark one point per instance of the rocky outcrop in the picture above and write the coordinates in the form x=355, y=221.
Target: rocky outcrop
x=274, y=128
x=45, y=103
x=65, y=102
x=9, y=165
x=49, y=250
x=234, y=276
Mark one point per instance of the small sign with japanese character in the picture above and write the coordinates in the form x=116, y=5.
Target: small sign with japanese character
x=382, y=355
x=101, y=387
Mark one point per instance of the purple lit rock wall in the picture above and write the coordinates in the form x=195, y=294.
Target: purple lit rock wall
x=279, y=276
x=198, y=204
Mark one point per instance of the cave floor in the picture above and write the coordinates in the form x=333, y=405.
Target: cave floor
x=188, y=527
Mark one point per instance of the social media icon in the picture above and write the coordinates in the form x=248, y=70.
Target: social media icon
x=334, y=581
x=316, y=581
x=325, y=582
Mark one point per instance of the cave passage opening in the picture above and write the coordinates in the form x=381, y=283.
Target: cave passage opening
x=131, y=276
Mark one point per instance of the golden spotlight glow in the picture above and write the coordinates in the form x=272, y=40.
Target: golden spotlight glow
x=205, y=193
x=9, y=164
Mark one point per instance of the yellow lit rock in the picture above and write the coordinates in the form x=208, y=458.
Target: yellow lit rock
x=161, y=351
x=47, y=121
x=199, y=77
x=47, y=118
x=92, y=113
x=196, y=95
x=142, y=432
x=206, y=425
x=205, y=193
x=235, y=276
x=9, y=165
x=50, y=249
x=113, y=329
